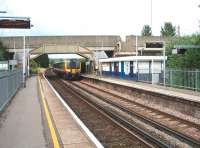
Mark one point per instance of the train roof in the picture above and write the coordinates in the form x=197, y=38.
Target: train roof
x=134, y=58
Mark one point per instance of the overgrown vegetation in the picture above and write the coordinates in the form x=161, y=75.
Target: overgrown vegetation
x=38, y=63
x=34, y=67
x=190, y=59
x=3, y=53
x=43, y=60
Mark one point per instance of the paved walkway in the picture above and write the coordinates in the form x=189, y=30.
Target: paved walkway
x=21, y=123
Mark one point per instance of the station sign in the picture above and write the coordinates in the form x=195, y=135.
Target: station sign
x=15, y=23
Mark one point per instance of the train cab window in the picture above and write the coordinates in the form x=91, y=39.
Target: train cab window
x=73, y=64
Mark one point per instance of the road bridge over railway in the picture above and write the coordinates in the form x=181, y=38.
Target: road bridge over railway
x=82, y=45
x=63, y=49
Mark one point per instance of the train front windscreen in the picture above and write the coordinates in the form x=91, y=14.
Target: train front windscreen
x=74, y=64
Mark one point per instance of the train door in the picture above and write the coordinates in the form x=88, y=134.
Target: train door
x=112, y=69
x=110, y=64
x=131, y=69
x=126, y=69
x=116, y=68
x=122, y=75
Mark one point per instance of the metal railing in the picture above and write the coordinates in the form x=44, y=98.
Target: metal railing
x=187, y=79
x=10, y=81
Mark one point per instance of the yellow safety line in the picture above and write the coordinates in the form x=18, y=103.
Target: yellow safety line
x=49, y=121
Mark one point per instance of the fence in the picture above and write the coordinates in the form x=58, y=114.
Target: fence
x=188, y=79
x=9, y=84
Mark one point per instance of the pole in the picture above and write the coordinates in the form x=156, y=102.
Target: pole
x=24, y=62
x=152, y=71
x=199, y=20
x=28, y=58
x=28, y=70
x=196, y=80
x=164, y=66
x=136, y=47
x=151, y=16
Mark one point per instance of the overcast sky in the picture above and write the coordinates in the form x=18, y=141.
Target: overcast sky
x=101, y=17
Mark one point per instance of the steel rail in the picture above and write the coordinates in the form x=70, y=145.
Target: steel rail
x=145, y=106
x=180, y=136
x=82, y=97
x=125, y=123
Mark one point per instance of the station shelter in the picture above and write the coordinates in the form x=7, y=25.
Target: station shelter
x=147, y=68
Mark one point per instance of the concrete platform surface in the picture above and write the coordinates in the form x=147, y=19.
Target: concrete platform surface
x=71, y=135
x=169, y=91
x=21, y=123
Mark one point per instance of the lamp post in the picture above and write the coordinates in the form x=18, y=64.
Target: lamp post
x=164, y=65
x=151, y=16
x=199, y=20
x=24, y=61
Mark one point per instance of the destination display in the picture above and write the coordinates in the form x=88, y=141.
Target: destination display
x=15, y=23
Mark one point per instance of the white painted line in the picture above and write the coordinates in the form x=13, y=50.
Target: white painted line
x=80, y=123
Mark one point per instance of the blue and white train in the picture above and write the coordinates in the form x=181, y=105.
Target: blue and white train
x=133, y=67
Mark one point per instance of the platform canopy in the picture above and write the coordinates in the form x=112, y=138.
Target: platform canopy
x=64, y=49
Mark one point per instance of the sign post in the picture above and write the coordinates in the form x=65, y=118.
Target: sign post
x=24, y=61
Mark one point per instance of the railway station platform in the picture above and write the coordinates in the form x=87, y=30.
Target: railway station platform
x=21, y=124
x=36, y=118
x=169, y=91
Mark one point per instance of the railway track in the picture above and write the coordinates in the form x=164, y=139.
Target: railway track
x=132, y=108
x=146, y=114
x=106, y=129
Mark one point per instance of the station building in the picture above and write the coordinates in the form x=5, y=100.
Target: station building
x=139, y=68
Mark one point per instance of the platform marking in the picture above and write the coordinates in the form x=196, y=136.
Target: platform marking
x=80, y=123
x=49, y=121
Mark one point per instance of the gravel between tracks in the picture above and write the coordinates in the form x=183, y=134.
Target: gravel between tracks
x=173, y=142
x=108, y=133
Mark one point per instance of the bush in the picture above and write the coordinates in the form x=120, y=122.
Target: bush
x=2, y=52
x=34, y=67
x=190, y=59
x=43, y=60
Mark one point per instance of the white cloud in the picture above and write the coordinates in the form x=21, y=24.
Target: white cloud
x=118, y=17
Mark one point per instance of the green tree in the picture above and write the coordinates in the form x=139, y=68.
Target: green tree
x=168, y=30
x=43, y=60
x=34, y=67
x=190, y=59
x=146, y=31
x=2, y=51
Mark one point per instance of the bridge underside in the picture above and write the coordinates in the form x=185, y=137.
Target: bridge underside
x=63, y=49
